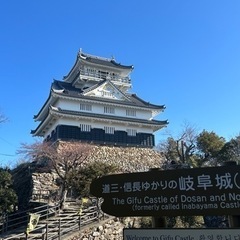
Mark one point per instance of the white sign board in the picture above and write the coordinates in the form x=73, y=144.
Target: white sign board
x=181, y=234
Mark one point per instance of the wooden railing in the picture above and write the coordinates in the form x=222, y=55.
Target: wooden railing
x=53, y=223
x=102, y=75
x=9, y=222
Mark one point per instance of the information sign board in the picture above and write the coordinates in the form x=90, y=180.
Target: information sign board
x=180, y=192
x=181, y=234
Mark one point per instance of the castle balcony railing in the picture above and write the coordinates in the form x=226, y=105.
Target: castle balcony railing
x=96, y=75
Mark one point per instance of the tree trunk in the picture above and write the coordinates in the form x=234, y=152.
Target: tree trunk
x=63, y=197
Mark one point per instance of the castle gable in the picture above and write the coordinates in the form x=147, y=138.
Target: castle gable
x=106, y=90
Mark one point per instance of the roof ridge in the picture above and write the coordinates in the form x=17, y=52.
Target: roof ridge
x=81, y=54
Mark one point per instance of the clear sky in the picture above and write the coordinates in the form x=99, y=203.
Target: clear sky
x=186, y=55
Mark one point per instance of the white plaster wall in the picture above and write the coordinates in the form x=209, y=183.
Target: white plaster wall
x=68, y=104
x=98, y=109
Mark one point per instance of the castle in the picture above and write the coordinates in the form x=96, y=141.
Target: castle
x=93, y=104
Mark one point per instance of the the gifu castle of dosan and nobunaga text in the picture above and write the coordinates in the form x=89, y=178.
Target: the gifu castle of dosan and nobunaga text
x=93, y=104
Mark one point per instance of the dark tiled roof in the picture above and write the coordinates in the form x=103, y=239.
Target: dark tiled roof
x=66, y=89
x=102, y=116
x=111, y=117
x=131, y=99
x=99, y=61
x=102, y=61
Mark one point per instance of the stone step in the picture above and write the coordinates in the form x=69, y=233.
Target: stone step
x=69, y=218
x=70, y=210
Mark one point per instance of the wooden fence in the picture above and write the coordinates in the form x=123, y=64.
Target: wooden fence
x=53, y=223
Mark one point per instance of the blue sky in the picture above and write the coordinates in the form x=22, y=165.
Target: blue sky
x=186, y=55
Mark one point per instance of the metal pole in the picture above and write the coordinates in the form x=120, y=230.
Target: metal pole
x=158, y=222
x=233, y=220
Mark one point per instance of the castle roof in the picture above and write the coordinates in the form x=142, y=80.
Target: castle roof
x=103, y=61
x=54, y=111
x=61, y=89
x=106, y=63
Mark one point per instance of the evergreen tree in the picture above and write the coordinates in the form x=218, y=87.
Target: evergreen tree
x=209, y=145
x=82, y=179
x=8, y=197
x=230, y=151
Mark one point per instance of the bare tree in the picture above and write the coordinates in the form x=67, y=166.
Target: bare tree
x=186, y=143
x=180, y=149
x=3, y=118
x=66, y=158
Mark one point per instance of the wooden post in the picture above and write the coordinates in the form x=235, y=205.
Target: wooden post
x=5, y=223
x=158, y=222
x=46, y=231
x=47, y=212
x=43, y=234
x=233, y=220
x=79, y=222
x=59, y=230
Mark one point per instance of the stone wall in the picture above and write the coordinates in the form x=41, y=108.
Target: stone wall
x=44, y=186
x=35, y=183
x=129, y=159
x=111, y=229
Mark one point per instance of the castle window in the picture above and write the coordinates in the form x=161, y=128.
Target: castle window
x=85, y=107
x=131, y=112
x=85, y=127
x=102, y=74
x=91, y=71
x=131, y=132
x=109, y=110
x=109, y=130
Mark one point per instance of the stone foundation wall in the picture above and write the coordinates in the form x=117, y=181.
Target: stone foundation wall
x=33, y=182
x=128, y=159
x=44, y=184
x=111, y=229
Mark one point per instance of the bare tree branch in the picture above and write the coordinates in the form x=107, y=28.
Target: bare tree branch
x=3, y=118
x=66, y=158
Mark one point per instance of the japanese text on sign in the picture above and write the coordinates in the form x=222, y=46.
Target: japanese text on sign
x=197, y=191
x=189, y=183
